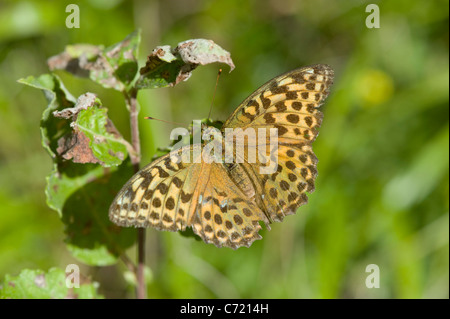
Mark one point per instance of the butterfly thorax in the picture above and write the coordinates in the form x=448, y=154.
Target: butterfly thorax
x=211, y=132
x=217, y=151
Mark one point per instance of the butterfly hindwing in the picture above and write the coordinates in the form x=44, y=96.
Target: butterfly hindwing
x=158, y=195
x=225, y=215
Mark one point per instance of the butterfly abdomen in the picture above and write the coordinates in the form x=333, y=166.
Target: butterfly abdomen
x=240, y=178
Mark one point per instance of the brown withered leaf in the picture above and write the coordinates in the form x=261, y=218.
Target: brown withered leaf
x=83, y=103
x=114, y=67
x=166, y=67
x=75, y=58
x=202, y=51
x=75, y=147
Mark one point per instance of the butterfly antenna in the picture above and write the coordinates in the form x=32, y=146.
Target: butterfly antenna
x=152, y=118
x=214, y=95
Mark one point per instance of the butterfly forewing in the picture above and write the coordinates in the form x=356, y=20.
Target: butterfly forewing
x=290, y=104
x=300, y=92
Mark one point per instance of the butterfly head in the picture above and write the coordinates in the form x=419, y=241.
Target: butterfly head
x=210, y=132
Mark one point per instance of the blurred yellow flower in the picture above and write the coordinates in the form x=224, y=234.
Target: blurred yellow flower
x=375, y=87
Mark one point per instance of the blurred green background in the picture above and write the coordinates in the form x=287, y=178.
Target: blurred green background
x=382, y=194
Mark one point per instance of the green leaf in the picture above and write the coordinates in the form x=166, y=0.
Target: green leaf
x=94, y=138
x=65, y=179
x=114, y=67
x=122, y=57
x=168, y=67
x=162, y=75
x=58, y=98
x=91, y=138
x=96, y=255
x=109, y=148
x=81, y=193
x=37, y=284
x=91, y=236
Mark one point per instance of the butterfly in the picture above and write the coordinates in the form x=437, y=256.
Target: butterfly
x=226, y=203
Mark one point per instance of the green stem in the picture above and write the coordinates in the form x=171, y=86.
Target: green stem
x=131, y=100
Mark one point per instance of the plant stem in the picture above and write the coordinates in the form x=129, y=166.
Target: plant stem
x=141, y=289
x=131, y=100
